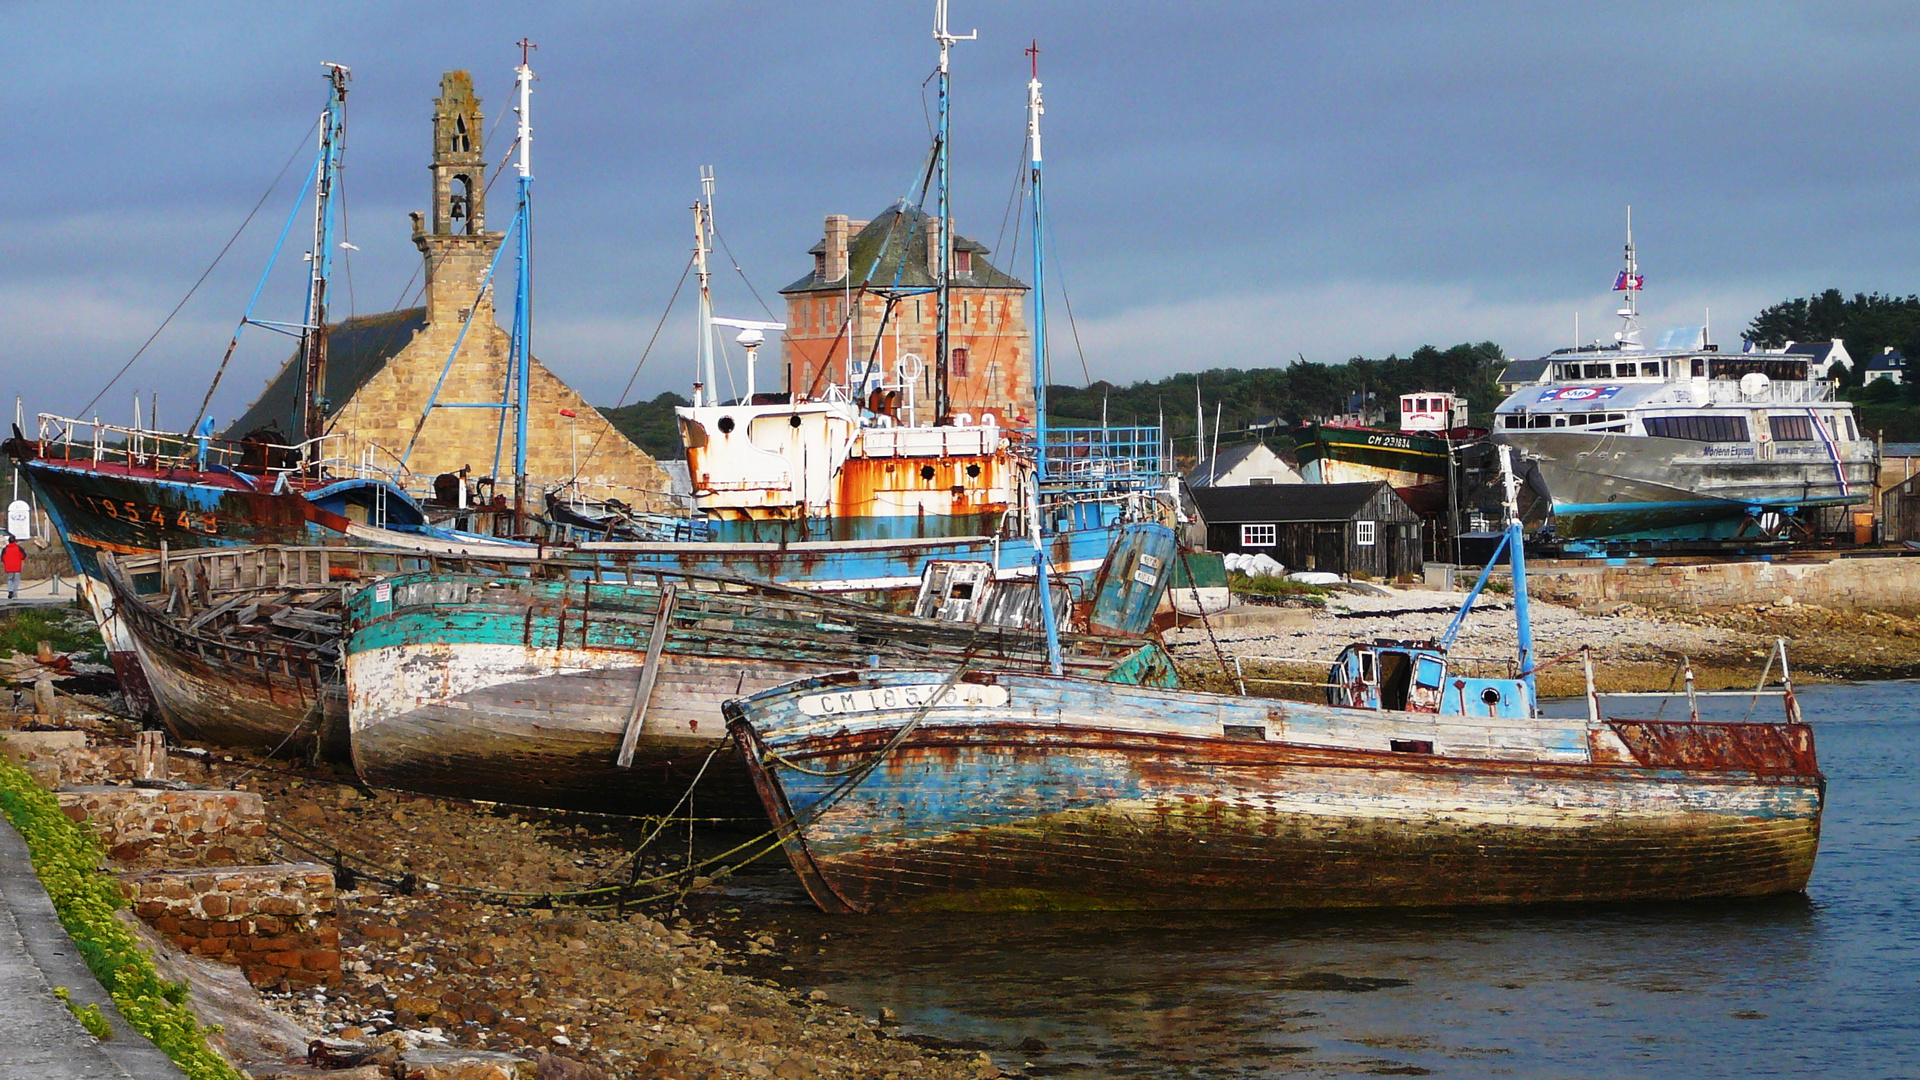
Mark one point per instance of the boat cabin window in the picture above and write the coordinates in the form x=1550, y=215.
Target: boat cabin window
x=1853, y=433
x=1367, y=673
x=1513, y=420
x=1396, y=677
x=1791, y=428
x=1650, y=369
x=1698, y=428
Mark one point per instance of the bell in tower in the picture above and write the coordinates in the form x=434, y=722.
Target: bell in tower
x=459, y=164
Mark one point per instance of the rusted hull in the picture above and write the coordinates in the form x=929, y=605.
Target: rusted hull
x=547, y=732
x=521, y=692
x=985, y=805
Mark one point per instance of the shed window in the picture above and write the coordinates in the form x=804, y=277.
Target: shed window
x=1363, y=533
x=1258, y=535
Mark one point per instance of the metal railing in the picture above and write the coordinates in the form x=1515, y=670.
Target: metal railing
x=66, y=438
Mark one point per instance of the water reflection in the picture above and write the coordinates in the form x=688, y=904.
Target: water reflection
x=1790, y=986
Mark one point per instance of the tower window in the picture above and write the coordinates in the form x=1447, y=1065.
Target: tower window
x=963, y=262
x=957, y=361
x=460, y=205
x=462, y=143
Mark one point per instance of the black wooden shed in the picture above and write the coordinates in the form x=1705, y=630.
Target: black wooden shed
x=1337, y=528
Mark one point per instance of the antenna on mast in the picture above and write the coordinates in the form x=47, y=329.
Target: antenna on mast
x=942, y=399
x=1629, y=282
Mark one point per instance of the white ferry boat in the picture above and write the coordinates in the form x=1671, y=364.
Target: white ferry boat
x=1682, y=444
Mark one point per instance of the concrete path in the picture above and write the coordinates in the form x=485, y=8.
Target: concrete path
x=39, y=1037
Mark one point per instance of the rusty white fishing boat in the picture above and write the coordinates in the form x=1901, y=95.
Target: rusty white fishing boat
x=971, y=787
x=591, y=688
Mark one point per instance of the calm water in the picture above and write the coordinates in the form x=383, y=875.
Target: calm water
x=1827, y=984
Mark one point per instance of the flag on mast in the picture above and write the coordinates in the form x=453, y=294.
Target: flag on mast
x=1627, y=281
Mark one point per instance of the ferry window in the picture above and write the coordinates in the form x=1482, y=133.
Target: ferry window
x=1650, y=368
x=1258, y=535
x=1699, y=368
x=1578, y=419
x=1540, y=420
x=1698, y=428
x=1363, y=533
x=1560, y=421
x=1791, y=428
x=1853, y=433
x=1513, y=420
x=1597, y=371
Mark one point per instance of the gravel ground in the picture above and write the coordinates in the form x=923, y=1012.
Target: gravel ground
x=1633, y=647
x=676, y=990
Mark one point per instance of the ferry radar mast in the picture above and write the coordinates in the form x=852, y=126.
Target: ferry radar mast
x=1629, y=283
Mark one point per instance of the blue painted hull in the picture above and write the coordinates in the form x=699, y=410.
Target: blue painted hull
x=911, y=790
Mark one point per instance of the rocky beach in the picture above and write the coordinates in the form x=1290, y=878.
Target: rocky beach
x=1633, y=647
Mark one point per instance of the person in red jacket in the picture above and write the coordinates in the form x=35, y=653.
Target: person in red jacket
x=13, y=560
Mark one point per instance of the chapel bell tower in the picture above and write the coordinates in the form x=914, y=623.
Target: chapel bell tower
x=459, y=162
x=457, y=246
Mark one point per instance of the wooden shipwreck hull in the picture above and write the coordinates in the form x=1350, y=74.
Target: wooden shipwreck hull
x=530, y=691
x=911, y=790
x=241, y=646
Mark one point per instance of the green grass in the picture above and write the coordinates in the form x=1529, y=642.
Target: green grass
x=67, y=857
x=67, y=629
x=1266, y=585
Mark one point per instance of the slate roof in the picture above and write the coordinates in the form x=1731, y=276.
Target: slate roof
x=1887, y=361
x=1523, y=371
x=1224, y=463
x=356, y=350
x=874, y=257
x=1284, y=502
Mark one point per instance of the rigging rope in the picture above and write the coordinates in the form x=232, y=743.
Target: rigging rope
x=224, y=248
x=648, y=351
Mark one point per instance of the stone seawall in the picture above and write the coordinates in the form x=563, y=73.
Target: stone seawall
x=191, y=828
x=1884, y=584
x=277, y=923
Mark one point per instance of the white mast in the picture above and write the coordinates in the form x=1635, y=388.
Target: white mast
x=702, y=225
x=1628, y=336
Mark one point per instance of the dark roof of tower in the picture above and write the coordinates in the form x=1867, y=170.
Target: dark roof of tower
x=891, y=253
x=356, y=351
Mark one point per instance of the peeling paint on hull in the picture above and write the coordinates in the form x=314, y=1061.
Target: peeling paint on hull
x=520, y=692
x=1081, y=795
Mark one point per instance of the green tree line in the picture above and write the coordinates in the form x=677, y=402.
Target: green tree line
x=1296, y=392
x=1866, y=323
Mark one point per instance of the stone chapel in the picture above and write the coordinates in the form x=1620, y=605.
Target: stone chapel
x=382, y=369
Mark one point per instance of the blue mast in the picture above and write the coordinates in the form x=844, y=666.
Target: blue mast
x=313, y=336
x=522, y=347
x=1039, y=306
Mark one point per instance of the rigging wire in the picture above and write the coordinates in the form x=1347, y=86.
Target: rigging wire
x=631, y=379
x=741, y=271
x=1085, y=372
x=228, y=246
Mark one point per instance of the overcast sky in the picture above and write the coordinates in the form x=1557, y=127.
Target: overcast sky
x=1266, y=181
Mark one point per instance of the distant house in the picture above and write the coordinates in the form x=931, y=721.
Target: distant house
x=1247, y=465
x=1519, y=373
x=1337, y=528
x=1889, y=365
x=1821, y=356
